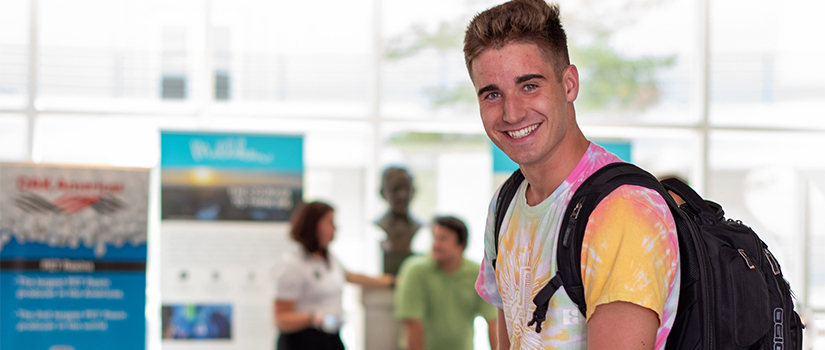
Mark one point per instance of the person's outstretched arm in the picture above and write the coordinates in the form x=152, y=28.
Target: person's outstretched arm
x=385, y=280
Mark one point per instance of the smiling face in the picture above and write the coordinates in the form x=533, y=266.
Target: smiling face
x=526, y=106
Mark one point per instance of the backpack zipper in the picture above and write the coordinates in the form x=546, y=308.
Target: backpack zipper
x=703, y=271
x=570, y=225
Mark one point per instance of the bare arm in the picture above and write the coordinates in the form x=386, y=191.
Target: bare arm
x=369, y=281
x=492, y=331
x=622, y=325
x=415, y=334
x=503, y=337
x=289, y=320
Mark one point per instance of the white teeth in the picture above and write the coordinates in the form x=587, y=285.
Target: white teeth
x=522, y=132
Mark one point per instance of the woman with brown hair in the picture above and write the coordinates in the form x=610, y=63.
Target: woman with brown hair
x=308, y=295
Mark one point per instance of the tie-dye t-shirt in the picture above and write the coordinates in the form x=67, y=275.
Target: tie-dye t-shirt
x=630, y=253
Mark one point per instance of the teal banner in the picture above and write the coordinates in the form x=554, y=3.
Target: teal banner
x=229, y=176
x=281, y=153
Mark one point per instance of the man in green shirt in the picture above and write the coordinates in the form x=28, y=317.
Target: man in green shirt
x=435, y=296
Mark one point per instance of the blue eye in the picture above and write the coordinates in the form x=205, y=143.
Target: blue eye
x=530, y=87
x=492, y=96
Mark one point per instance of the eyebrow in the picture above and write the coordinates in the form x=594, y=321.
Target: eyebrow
x=519, y=80
x=527, y=77
x=487, y=88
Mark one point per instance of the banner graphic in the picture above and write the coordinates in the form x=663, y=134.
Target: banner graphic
x=216, y=176
x=72, y=257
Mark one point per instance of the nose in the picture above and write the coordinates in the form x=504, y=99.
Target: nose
x=404, y=194
x=514, y=110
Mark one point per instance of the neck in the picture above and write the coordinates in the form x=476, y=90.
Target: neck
x=546, y=176
x=450, y=265
x=392, y=218
x=398, y=216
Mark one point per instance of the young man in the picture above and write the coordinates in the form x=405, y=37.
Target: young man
x=434, y=296
x=516, y=54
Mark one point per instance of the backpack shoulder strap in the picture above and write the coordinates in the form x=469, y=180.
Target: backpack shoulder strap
x=584, y=201
x=505, y=196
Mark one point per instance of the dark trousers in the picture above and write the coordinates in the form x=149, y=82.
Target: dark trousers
x=309, y=339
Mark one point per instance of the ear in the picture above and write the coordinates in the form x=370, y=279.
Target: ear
x=570, y=79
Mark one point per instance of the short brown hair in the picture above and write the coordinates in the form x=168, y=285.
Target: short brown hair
x=524, y=21
x=304, y=226
x=455, y=225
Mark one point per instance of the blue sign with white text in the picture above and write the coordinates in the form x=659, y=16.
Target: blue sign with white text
x=101, y=310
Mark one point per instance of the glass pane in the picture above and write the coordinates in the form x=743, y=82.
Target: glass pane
x=636, y=59
x=762, y=179
x=634, y=67
x=423, y=72
x=136, y=51
x=14, y=58
x=662, y=152
x=103, y=140
x=14, y=135
x=766, y=68
x=273, y=51
x=816, y=228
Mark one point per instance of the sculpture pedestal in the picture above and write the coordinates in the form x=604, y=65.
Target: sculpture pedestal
x=381, y=330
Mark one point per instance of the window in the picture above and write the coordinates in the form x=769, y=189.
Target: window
x=116, y=51
x=14, y=46
x=635, y=68
x=295, y=52
x=14, y=136
x=765, y=64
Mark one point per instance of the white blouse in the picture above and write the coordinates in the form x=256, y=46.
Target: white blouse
x=310, y=282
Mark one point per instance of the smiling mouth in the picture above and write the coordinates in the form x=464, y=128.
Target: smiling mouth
x=517, y=134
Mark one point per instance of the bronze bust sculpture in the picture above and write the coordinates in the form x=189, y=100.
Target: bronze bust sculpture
x=400, y=227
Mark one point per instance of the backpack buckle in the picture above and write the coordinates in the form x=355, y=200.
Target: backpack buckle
x=772, y=260
x=747, y=260
x=538, y=317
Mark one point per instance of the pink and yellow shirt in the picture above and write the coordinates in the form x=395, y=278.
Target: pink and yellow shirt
x=630, y=253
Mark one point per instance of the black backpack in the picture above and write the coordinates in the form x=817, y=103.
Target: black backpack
x=732, y=293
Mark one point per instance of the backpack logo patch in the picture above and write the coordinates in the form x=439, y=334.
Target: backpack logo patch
x=778, y=338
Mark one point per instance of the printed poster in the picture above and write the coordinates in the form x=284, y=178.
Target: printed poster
x=218, y=176
x=226, y=200
x=72, y=257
